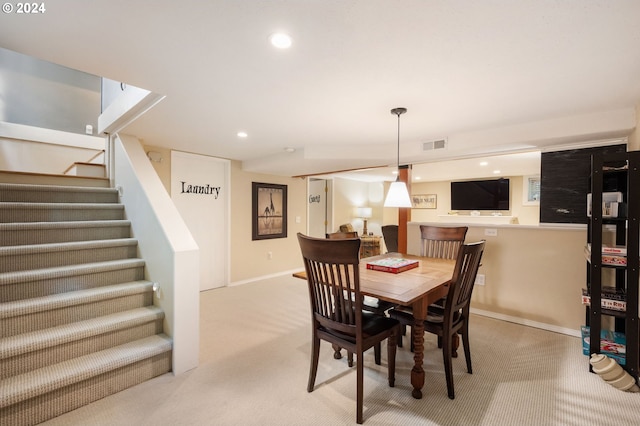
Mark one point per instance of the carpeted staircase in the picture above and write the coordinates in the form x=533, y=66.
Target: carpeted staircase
x=77, y=320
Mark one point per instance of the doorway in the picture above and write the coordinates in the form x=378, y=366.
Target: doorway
x=320, y=210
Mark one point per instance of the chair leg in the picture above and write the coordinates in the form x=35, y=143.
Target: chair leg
x=391, y=358
x=455, y=344
x=350, y=359
x=336, y=351
x=376, y=354
x=359, y=389
x=439, y=341
x=467, y=350
x=315, y=355
x=448, y=369
x=399, y=338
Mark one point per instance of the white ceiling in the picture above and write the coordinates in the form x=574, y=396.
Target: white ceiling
x=488, y=76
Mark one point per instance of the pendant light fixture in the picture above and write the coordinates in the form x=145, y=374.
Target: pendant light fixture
x=398, y=195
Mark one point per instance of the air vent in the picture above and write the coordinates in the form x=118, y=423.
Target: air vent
x=432, y=145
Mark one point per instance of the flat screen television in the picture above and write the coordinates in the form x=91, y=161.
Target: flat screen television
x=480, y=195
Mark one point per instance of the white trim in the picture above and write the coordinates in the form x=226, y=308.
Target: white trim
x=264, y=277
x=501, y=317
x=126, y=109
x=586, y=144
x=54, y=137
x=529, y=323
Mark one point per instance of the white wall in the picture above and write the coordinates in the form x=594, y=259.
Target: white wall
x=38, y=150
x=42, y=94
x=170, y=253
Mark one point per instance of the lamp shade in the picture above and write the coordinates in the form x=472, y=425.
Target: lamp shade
x=398, y=195
x=363, y=212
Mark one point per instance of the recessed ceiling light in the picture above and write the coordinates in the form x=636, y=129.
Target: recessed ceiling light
x=496, y=172
x=289, y=149
x=280, y=40
x=484, y=163
x=242, y=135
x=395, y=172
x=418, y=178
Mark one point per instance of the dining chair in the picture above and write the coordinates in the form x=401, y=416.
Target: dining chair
x=441, y=242
x=370, y=304
x=390, y=235
x=454, y=318
x=332, y=272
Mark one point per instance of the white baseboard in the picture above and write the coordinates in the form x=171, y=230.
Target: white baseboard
x=489, y=314
x=529, y=323
x=264, y=277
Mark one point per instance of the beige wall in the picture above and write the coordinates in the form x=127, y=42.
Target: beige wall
x=249, y=259
x=348, y=195
x=526, y=214
x=634, y=138
x=533, y=275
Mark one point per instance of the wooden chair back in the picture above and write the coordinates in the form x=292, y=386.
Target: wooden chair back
x=455, y=319
x=441, y=242
x=333, y=276
x=390, y=234
x=342, y=235
x=464, y=277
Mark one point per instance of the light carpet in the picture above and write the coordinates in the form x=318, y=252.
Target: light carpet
x=254, y=364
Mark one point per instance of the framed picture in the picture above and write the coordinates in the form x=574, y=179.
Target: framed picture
x=269, y=217
x=424, y=201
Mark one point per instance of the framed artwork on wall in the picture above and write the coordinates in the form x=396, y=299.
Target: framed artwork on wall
x=269, y=215
x=424, y=201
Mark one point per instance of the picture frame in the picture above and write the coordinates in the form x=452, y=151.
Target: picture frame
x=424, y=201
x=269, y=211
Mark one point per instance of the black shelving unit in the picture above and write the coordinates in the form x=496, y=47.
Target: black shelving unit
x=621, y=173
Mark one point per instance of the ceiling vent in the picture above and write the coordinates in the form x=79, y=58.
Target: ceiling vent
x=433, y=145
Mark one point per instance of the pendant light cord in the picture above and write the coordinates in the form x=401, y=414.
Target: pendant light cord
x=398, y=146
x=398, y=112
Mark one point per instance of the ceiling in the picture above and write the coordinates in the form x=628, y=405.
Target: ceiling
x=486, y=77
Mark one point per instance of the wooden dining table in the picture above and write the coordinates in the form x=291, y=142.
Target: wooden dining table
x=417, y=288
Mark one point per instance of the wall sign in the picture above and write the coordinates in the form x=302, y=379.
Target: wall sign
x=200, y=189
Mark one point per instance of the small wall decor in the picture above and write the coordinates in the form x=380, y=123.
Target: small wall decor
x=424, y=201
x=269, y=217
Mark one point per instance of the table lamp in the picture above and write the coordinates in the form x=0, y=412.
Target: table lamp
x=364, y=213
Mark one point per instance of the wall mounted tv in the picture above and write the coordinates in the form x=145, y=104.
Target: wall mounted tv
x=480, y=195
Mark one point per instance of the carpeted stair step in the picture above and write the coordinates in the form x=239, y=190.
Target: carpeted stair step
x=57, y=212
x=24, y=316
x=16, y=234
x=42, y=282
x=10, y=192
x=36, y=396
x=20, y=258
x=52, y=179
x=29, y=351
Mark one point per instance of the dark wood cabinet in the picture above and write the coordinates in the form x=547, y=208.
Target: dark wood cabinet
x=615, y=173
x=564, y=183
